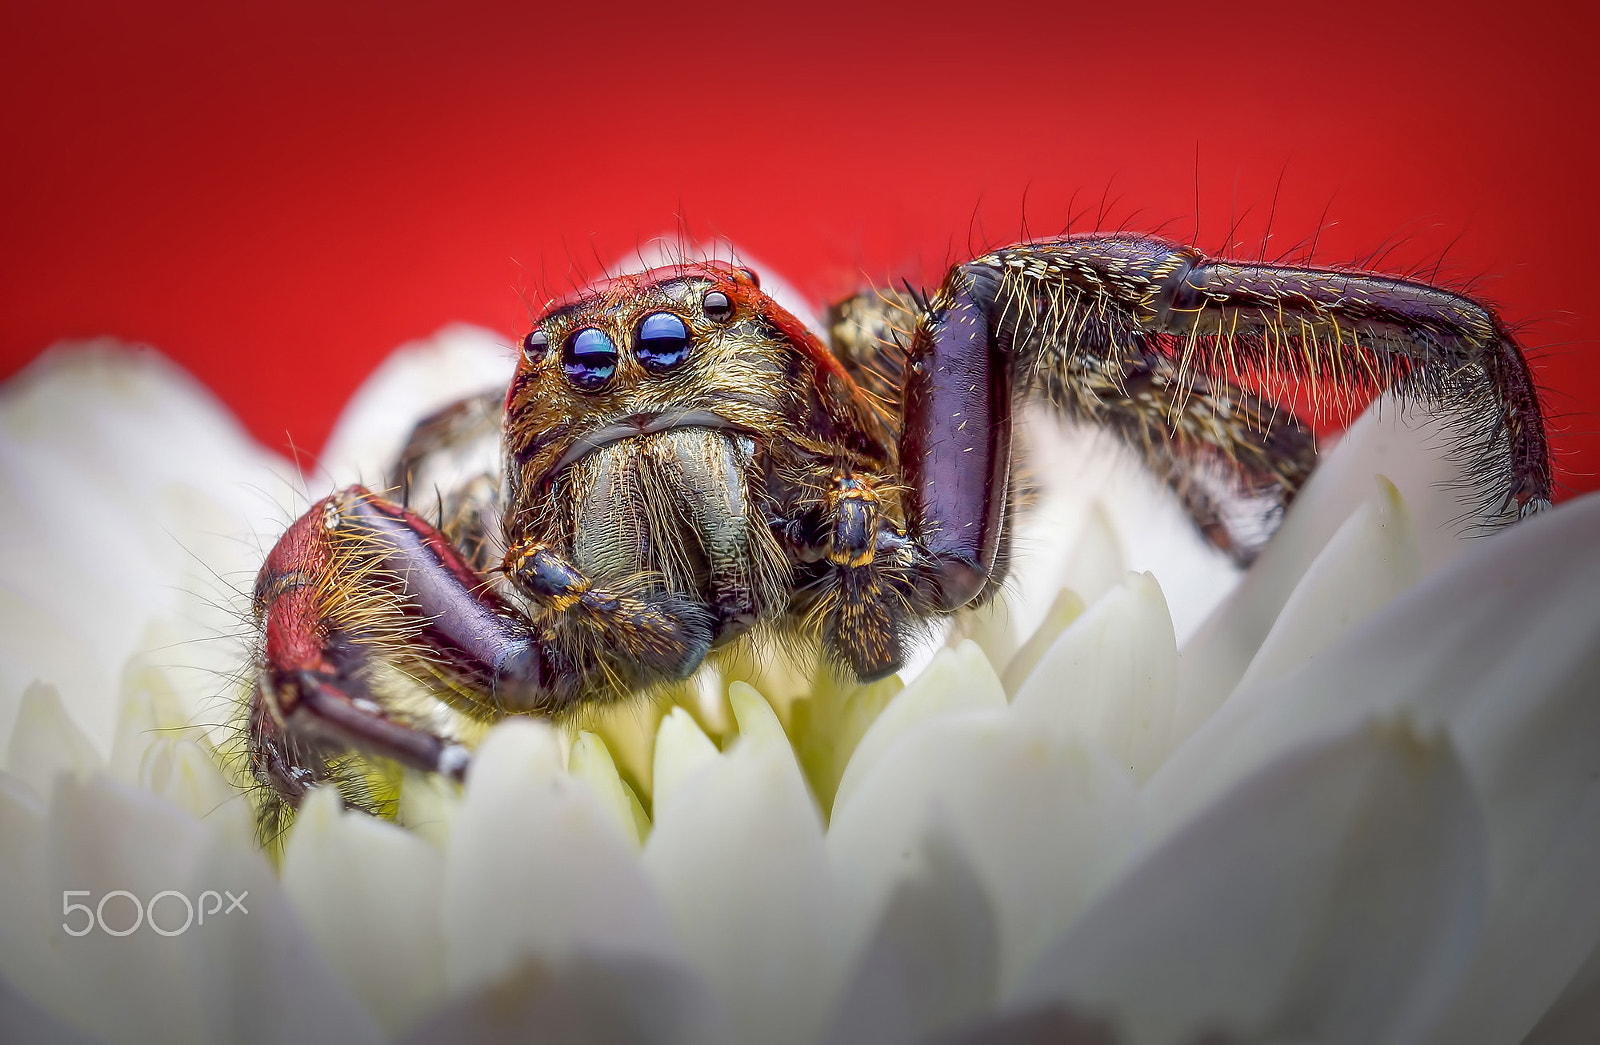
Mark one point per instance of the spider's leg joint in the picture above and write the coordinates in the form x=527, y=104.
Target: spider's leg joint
x=956, y=473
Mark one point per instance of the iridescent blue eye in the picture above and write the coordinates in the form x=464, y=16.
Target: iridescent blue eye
x=589, y=358
x=663, y=342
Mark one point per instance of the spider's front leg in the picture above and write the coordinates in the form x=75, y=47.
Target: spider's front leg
x=864, y=578
x=358, y=599
x=875, y=579
x=955, y=442
x=377, y=636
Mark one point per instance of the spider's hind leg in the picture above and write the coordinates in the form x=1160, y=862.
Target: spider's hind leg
x=1083, y=309
x=1233, y=459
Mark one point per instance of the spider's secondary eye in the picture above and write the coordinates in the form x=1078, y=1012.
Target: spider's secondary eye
x=751, y=275
x=663, y=342
x=717, y=307
x=589, y=358
x=535, y=345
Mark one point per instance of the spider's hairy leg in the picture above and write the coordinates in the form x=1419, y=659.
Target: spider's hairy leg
x=869, y=334
x=1381, y=333
x=1234, y=460
x=1087, y=315
x=862, y=570
x=359, y=601
x=450, y=465
x=955, y=440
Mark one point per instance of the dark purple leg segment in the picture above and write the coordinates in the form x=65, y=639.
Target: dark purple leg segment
x=955, y=446
x=1395, y=333
x=462, y=620
x=356, y=582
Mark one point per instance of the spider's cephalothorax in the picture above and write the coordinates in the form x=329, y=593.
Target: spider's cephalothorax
x=682, y=461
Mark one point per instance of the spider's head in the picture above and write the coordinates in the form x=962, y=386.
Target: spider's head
x=641, y=353
x=641, y=416
x=696, y=345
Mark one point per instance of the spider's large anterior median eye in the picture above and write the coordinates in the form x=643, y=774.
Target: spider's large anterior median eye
x=717, y=307
x=663, y=342
x=589, y=358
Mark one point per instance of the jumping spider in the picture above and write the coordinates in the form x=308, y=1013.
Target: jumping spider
x=683, y=462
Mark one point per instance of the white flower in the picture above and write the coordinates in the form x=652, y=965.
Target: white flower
x=1355, y=798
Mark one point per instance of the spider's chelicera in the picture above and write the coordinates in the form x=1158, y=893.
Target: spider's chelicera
x=685, y=463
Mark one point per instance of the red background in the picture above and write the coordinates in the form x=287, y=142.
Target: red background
x=277, y=196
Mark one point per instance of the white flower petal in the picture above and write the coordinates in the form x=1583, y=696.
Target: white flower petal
x=370, y=895
x=1386, y=440
x=583, y=1001
x=537, y=867
x=428, y=806
x=736, y=852
x=758, y=723
x=26, y=1020
x=1043, y=819
x=151, y=709
x=933, y=959
x=1537, y=932
x=830, y=721
x=1500, y=645
x=29, y=913
x=38, y=645
x=414, y=381
x=1370, y=559
x=107, y=433
x=957, y=680
x=1503, y=649
x=1576, y=1013
x=591, y=763
x=1112, y=677
x=47, y=743
x=1334, y=897
x=1066, y=608
x=1513, y=616
x=1102, y=513
x=105, y=838
x=682, y=750
x=186, y=774
x=1053, y=1025
x=1409, y=447
x=991, y=627
x=223, y=979
x=1530, y=732
x=629, y=730
x=1097, y=564
x=260, y=976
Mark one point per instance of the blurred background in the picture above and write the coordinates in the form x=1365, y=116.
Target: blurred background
x=278, y=194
